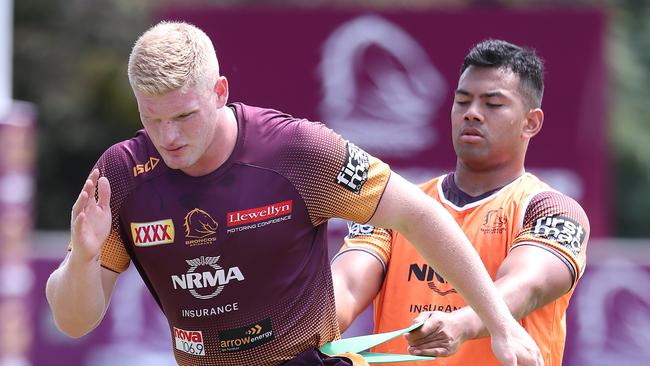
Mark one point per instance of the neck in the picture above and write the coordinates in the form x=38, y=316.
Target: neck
x=475, y=182
x=227, y=139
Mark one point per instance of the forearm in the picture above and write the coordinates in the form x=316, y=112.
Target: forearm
x=441, y=242
x=357, y=277
x=520, y=299
x=528, y=279
x=346, y=308
x=76, y=296
x=452, y=254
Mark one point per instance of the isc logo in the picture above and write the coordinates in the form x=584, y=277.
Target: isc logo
x=146, y=234
x=146, y=167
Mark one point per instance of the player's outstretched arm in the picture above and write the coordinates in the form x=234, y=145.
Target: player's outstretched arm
x=529, y=278
x=357, y=278
x=432, y=230
x=79, y=290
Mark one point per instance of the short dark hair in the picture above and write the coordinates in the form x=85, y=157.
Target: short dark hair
x=520, y=60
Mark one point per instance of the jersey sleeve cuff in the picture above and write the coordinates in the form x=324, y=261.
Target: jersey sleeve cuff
x=375, y=255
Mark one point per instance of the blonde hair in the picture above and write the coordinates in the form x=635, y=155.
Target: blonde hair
x=170, y=56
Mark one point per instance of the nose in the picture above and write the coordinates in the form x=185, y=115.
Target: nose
x=169, y=133
x=473, y=113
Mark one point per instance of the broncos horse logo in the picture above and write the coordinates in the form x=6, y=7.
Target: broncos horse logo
x=494, y=222
x=495, y=219
x=199, y=224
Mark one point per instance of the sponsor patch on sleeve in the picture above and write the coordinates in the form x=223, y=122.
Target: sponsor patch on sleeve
x=562, y=230
x=354, y=172
x=356, y=229
x=241, y=339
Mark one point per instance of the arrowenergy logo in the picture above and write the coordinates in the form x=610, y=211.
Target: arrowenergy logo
x=146, y=167
x=240, y=339
x=148, y=234
x=189, y=341
x=200, y=228
x=259, y=216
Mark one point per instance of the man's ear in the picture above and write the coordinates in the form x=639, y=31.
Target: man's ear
x=221, y=88
x=534, y=122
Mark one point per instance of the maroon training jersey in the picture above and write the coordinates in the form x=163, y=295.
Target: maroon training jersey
x=237, y=259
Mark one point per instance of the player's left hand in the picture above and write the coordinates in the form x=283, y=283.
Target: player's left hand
x=440, y=335
x=516, y=347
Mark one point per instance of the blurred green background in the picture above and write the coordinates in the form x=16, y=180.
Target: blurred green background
x=70, y=60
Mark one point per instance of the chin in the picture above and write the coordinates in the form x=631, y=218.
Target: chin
x=174, y=163
x=471, y=153
x=474, y=158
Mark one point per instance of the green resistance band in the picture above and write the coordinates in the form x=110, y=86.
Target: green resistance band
x=360, y=344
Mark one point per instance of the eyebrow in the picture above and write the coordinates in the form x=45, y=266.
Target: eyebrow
x=189, y=111
x=482, y=95
x=185, y=113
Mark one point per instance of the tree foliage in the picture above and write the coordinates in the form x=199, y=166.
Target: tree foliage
x=69, y=60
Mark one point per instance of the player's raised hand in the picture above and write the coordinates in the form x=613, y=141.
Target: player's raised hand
x=517, y=348
x=91, y=218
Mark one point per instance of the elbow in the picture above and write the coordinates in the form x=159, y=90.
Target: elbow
x=73, y=329
x=72, y=323
x=72, y=333
x=526, y=300
x=343, y=316
x=73, y=319
x=345, y=305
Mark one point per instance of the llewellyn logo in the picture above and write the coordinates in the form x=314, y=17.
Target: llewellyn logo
x=257, y=217
x=148, y=234
x=494, y=222
x=200, y=228
x=146, y=167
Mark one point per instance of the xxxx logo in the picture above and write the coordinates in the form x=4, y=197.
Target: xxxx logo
x=147, y=234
